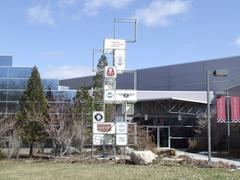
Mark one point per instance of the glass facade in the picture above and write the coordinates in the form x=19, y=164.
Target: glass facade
x=13, y=81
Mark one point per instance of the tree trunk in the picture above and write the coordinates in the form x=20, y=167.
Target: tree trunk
x=31, y=149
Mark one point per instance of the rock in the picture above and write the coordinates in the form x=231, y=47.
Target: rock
x=128, y=150
x=143, y=157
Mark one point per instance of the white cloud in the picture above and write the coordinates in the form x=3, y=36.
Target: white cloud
x=92, y=7
x=158, y=13
x=41, y=15
x=65, y=72
x=237, y=42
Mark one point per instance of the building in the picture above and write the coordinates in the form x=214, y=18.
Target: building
x=172, y=99
x=13, y=81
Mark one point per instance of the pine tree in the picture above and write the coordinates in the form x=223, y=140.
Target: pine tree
x=98, y=86
x=98, y=83
x=33, y=111
x=82, y=113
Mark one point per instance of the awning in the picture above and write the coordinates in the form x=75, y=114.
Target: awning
x=189, y=96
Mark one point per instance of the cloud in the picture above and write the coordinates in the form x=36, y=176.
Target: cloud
x=237, y=42
x=92, y=7
x=65, y=72
x=159, y=12
x=40, y=15
x=52, y=54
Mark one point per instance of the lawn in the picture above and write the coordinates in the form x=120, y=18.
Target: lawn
x=51, y=170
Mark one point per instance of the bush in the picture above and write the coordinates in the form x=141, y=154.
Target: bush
x=2, y=155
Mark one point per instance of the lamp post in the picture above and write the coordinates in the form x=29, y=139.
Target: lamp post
x=220, y=73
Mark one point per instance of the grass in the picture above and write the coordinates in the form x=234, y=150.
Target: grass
x=50, y=170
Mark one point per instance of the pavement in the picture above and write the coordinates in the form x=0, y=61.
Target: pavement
x=205, y=158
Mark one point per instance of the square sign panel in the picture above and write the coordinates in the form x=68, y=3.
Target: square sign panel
x=121, y=139
x=109, y=96
x=121, y=128
x=119, y=61
x=98, y=139
x=98, y=117
x=110, y=72
x=113, y=44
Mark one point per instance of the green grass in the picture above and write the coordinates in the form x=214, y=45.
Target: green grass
x=50, y=170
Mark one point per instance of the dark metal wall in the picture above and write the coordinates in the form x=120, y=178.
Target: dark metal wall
x=181, y=77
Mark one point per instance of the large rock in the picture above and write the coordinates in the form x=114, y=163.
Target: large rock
x=143, y=157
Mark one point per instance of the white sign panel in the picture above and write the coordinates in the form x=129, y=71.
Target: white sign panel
x=98, y=139
x=126, y=96
x=121, y=128
x=119, y=60
x=113, y=44
x=110, y=72
x=98, y=116
x=104, y=128
x=121, y=139
x=109, y=96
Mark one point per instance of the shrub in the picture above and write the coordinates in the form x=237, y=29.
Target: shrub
x=2, y=155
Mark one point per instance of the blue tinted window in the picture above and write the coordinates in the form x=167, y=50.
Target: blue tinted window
x=19, y=72
x=3, y=95
x=66, y=95
x=3, y=84
x=50, y=83
x=17, y=83
x=12, y=107
x=14, y=95
x=3, y=72
x=3, y=107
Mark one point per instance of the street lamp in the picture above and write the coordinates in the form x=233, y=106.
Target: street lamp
x=218, y=73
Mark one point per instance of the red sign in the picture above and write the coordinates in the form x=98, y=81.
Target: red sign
x=235, y=109
x=221, y=109
x=111, y=72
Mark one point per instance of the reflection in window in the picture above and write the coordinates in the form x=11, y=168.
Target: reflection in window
x=3, y=84
x=12, y=107
x=2, y=107
x=19, y=72
x=3, y=72
x=14, y=95
x=3, y=95
x=17, y=83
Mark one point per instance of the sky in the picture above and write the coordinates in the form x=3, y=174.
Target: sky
x=58, y=36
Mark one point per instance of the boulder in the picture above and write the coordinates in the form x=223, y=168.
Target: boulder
x=143, y=157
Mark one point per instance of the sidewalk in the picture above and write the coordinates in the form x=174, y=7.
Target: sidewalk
x=205, y=158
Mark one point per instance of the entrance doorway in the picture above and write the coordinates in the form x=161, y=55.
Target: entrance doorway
x=160, y=134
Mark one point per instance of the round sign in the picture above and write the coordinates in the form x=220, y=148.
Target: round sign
x=121, y=128
x=109, y=95
x=98, y=117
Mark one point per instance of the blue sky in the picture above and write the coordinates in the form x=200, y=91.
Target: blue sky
x=58, y=35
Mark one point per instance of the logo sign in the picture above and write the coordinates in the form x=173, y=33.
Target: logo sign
x=119, y=61
x=121, y=139
x=126, y=96
x=113, y=44
x=109, y=96
x=110, y=72
x=98, y=139
x=104, y=128
x=98, y=116
x=121, y=128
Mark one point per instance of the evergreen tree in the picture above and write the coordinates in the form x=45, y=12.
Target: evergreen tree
x=82, y=114
x=98, y=83
x=98, y=86
x=33, y=111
